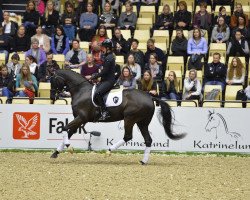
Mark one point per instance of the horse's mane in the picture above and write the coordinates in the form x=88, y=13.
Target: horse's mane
x=224, y=121
x=67, y=73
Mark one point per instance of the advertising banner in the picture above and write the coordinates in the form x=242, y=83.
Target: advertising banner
x=207, y=130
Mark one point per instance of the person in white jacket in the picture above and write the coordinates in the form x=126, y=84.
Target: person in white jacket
x=192, y=87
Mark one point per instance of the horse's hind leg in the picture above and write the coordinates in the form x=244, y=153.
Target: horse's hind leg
x=143, y=126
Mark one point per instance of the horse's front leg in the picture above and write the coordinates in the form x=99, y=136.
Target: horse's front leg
x=71, y=128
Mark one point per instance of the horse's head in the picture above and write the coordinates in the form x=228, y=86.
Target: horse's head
x=213, y=121
x=58, y=82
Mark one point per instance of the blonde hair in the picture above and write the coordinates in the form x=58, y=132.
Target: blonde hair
x=239, y=69
x=46, y=10
x=147, y=85
x=176, y=86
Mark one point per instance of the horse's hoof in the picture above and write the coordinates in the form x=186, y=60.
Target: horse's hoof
x=142, y=163
x=71, y=150
x=55, y=154
x=108, y=153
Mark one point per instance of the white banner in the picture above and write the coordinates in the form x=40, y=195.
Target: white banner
x=208, y=130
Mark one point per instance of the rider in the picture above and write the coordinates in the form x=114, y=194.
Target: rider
x=107, y=75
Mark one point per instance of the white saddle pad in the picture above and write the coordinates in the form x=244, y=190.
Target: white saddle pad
x=113, y=98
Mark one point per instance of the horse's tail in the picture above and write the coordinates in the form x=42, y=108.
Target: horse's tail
x=165, y=118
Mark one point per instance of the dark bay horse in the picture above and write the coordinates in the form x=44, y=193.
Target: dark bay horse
x=137, y=107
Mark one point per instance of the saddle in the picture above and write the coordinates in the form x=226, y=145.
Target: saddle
x=111, y=99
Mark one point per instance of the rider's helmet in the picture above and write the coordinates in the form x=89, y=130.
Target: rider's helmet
x=108, y=44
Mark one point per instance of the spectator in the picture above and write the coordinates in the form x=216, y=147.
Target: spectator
x=197, y=48
x=36, y=52
x=182, y=17
x=215, y=72
x=9, y=27
x=126, y=79
x=128, y=18
x=6, y=83
x=154, y=67
x=238, y=12
x=236, y=72
x=222, y=13
x=138, y=54
x=148, y=84
x=44, y=40
x=101, y=35
x=88, y=24
x=31, y=17
x=50, y=19
x=97, y=53
x=151, y=48
x=202, y=19
x=31, y=62
x=221, y=32
x=179, y=44
x=241, y=26
x=82, y=7
x=40, y=6
x=69, y=20
x=192, y=86
x=238, y=46
x=121, y=46
x=76, y=57
x=108, y=19
x=135, y=68
x=60, y=42
x=4, y=44
x=47, y=69
x=165, y=21
x=21, y=41
x=114, y=5
x=89, y=67
x=14, y=67
x=172, y=87
x=26, y=83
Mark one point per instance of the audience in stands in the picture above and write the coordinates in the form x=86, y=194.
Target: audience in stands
x=88, y=24
x=148, y=84
x=47, y=69
x=154, y=67
x=89, y=67
x=179, y=44
x=221, y=32
x=238, y=12
x=26, y=83
x=6, y=83
x=192, y=87
x=108, y=18
x=135, y=68
x=32, y=63
x=82, y=7
x=14, y=67
x=241, y=26
x=138, y=54
x=40, y=6
x=21, y=41
x=165, y=21
x=197, y=47
x=44, y=40
x=36, y=52
x=235, y=72
x=97, y=53
x=69, y=20
x=60, y=42
x=182, y=17
x=101, y=35
x=4, y=44
x=121, y=46
x=222, y=13
x=215, y=73
x=202, y=19
x=76, y=57
x=114, y=5
x=171, y=90
x=9, y=27
x=128, y=18
x=126, y=79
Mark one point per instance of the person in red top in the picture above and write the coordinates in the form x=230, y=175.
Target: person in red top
x=97, y=53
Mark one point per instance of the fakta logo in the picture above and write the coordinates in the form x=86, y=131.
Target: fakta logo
x=26, y=126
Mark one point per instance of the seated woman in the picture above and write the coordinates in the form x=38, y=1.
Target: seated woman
x=88, y=24
x=6, y=83
x=238, y=12
x=108, y=19
x=101, y=35
x=134, y=67
x=31, y=62
x=148, y=84
x=235, y=72
x=69, y=21
x=126, y=79
x=113, y=3
x=197, y=48
x=44, y=41
x=222, y=13
x=192, y=86
x=165, y=21
x=221, y=32
x=179, y=44
x=172, y=87
x=89, y=67
x=60, y=42
x=97, y=53
x=21, y=41
x=14, y=67
x=182, y=17
x=26, y=83
x=154, y=67
x=202, y=19
x=121, y=46
x=241, y=26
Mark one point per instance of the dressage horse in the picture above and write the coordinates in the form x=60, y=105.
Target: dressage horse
x=137, y=107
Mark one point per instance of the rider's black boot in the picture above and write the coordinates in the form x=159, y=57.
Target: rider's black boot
x=104, y=112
